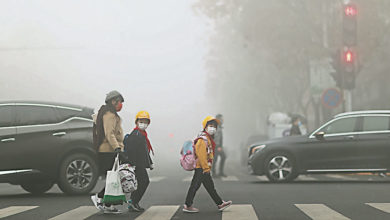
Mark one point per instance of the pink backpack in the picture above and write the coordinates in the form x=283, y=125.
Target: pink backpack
x=188, y=156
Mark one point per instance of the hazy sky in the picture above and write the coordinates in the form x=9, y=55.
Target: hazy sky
x=76, y=51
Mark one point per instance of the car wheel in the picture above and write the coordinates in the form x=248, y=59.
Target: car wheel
x=280, y=167
x=78, y=174
x=37, y=187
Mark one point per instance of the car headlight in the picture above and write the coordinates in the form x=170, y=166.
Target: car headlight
x=257, y=148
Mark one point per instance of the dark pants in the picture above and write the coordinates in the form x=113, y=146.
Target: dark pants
x=208, y=183
x=143, y=182
x=222, y=155
x=106, y=161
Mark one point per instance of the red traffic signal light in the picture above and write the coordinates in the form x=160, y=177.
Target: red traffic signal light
x=350, y=25
x=350, y=10
x=348, y=56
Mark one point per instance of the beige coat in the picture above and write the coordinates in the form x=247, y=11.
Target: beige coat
x=113, y=131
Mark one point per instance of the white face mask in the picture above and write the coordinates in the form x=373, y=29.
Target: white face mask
x=211, y=130
x=142, y=126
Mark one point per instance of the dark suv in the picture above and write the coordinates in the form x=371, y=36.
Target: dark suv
x=350, y=142
x=46, y=143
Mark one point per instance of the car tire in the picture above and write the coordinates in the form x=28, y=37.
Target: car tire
x=37, y=187
x=78, y=174
x=280, y=167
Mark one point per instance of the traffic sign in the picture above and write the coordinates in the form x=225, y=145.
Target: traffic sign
x=331, y=98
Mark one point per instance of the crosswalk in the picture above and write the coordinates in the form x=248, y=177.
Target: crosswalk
x=166, y=212
x=301, y=178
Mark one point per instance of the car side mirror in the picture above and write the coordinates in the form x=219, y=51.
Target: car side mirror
x=319, y=135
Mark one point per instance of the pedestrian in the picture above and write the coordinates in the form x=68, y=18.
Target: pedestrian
x=219, y=150
x=204, y=151
x=108, y=140
x=295, y=127
x=137, y=149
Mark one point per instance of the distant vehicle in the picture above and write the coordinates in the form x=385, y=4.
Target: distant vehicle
x=45, y=143
x=350, y=142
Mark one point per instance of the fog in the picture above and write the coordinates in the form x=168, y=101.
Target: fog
x=184, y=60
x=77, y=51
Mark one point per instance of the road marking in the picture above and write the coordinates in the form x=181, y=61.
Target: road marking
x=187, y=179
x=79, y=213
x=381, y=206
x=320, y=212
x=306, y=178
x=13, y=210
x=340, y=177
x=158, y=213
x=262, y=178
x=156, y=179
x=239, y=212
x=229, y=178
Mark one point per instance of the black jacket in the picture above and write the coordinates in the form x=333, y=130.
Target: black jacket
x=295, y=130
x=136, y=150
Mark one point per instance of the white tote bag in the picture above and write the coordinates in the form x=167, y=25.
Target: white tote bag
x=113, y=193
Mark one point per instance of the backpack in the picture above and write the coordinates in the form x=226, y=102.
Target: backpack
x=127, y=178
x=188, y=157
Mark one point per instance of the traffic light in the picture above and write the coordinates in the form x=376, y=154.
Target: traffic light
x=349, y=63
x=350, y=25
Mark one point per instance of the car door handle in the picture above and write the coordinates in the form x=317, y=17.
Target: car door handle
x=351, y=137
x=8, y=140
x=59, y=134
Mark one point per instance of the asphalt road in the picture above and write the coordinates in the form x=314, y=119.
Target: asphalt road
x=309, y=197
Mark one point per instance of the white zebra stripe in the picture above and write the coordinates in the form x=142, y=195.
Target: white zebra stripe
x=262, y=178
x=239, y=212
x=79, y=213
x=13, y=210
x=229, y=178
x=306, y=178
x=320, y=212
x=385, y=207
x=339, y=177
x=187, y=179
x=158, y=213
x=156, y=179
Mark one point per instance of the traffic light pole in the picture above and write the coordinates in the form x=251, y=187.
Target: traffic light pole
x=348, y=100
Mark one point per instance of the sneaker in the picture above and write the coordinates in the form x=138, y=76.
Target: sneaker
x=97, y=202
x=135, y=208
x=190, y=209
x=224, y=205
x=111, y=210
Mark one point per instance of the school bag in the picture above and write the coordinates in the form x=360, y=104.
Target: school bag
x=127, y=178
x=188, y=156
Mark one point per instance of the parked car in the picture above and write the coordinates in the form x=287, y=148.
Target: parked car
x=350, y=142
x=44, y=143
